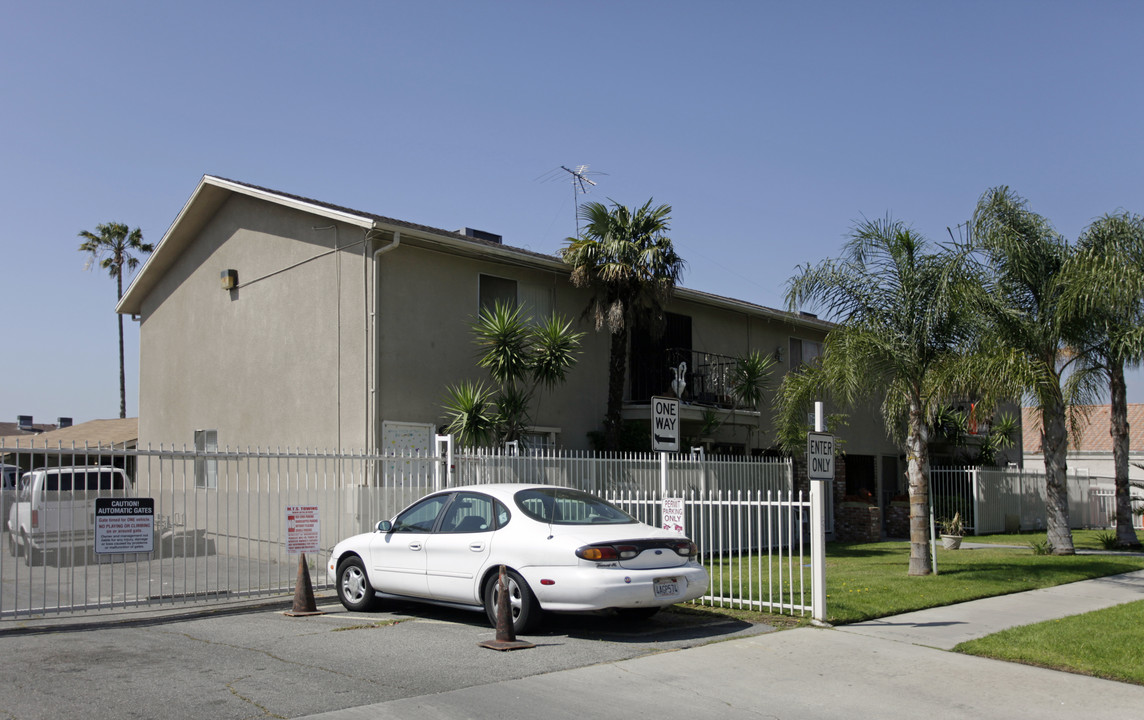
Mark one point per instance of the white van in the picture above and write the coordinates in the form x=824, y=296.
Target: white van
x=55, y=508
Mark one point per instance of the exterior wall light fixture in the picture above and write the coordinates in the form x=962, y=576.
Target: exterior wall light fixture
x=229, y=279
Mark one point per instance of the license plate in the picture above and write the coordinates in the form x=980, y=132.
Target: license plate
x=666, y=587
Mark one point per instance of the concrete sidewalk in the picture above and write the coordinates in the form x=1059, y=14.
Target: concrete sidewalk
x=945, y=627
x=889, y=668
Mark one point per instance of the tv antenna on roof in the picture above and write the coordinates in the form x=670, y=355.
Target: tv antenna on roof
x=581, y=185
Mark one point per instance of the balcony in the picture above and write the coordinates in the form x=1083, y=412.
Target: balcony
x=708, y=376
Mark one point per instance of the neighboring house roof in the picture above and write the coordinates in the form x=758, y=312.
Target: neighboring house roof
x=1095, y=433
x=92, y=434
x=13, y=429
x=213, y=191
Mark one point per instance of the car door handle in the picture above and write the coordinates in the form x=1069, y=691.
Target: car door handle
x=477, y=546
x=414, y=546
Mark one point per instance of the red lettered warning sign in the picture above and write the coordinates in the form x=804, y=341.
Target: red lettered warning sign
x=124, y=525
x=302, y=529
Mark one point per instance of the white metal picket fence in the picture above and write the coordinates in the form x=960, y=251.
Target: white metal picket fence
x=754, y=545
x=993, y=500
x=220, y=521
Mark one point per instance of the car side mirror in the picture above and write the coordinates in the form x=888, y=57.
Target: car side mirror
x=384, y=526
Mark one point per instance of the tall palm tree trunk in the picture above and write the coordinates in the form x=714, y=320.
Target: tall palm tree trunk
x=1054, y=444
x=917, y=471
x=1118, y=409
x=122, y=376
x=617, y=369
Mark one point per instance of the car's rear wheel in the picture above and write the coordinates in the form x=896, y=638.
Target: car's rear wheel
x=354, y=589
x=522, y=603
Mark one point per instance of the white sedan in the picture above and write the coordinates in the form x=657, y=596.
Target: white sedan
x=564, y=551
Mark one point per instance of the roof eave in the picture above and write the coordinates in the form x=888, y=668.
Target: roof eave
x=172, y=242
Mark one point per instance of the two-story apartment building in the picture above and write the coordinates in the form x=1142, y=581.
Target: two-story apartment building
x=272, y=320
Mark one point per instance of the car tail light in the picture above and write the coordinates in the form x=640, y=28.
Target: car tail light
x=600, y=553
x=35, y=518
x=686, y=548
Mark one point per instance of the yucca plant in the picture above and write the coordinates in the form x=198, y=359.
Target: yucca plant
x=521, y=358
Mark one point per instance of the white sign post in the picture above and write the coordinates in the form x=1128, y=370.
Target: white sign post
x=820, y=470
x=302, y=529
x=665, y=424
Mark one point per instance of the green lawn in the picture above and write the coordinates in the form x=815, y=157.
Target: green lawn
x=1082, y=539
x=1106, y=643
x=865, y=581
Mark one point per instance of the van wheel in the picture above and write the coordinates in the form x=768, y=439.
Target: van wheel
x=13, y=548
x=32, y=556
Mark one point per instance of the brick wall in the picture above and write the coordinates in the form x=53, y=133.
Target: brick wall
x=898, y=519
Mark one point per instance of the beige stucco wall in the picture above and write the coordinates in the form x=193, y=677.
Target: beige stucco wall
x=428, y=300
x=260, y=364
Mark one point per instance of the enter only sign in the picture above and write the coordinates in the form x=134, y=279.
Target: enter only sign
x=820, y=456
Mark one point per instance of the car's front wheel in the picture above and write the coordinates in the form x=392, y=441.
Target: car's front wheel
x=522, y=603
x=13, y=547
x=354, y=589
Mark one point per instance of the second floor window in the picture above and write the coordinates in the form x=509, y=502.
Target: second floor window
x=534, y=298
x=803, y=352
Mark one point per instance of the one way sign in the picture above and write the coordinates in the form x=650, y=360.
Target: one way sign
x=665, y=424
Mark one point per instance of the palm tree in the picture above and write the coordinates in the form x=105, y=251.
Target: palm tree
x=522, y=358
x=902, y=319
x=1104, y=283
x=114, y=247
x=1033, y=341
x=626, y=258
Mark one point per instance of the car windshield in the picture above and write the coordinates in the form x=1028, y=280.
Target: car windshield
x=562, y=506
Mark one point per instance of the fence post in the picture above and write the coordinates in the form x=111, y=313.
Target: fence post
x=976, y=500
x=447, y=440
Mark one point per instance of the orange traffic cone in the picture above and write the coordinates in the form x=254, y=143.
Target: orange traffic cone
x=303, y=592
x=506, y=635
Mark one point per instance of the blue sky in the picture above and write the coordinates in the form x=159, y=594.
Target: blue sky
x=769, y=127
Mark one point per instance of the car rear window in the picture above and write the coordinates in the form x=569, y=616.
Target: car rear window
x=563, y=506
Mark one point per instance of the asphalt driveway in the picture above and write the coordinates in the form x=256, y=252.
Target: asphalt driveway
x=260, y=663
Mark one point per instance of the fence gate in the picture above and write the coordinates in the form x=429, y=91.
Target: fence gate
x=219, y=525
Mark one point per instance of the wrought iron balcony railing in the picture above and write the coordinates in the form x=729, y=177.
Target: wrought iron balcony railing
x=708, y=377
